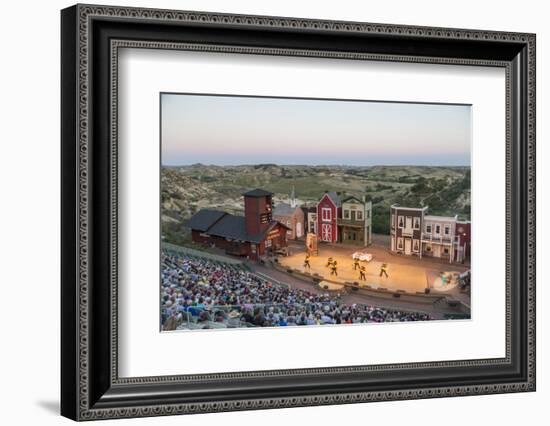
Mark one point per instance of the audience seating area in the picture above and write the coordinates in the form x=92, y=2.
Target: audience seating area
x=203, y=293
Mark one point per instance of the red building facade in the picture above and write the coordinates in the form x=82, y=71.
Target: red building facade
x=328, y=211
x=463, y=237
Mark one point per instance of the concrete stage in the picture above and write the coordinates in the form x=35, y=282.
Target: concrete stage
x=408, y=273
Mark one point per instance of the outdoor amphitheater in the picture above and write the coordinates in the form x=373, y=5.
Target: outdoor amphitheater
x=203, y=291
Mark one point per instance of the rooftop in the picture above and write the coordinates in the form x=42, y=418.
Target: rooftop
x=335, y=197
x=257, y=193
x=204, y=219
x=230, y=226
x=441, y=218
x=226, y=225
x=397, y=206
x=283, y=209
x=352, y=198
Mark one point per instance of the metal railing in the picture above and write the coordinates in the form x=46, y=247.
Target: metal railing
x=199, y=253
x=266, y=277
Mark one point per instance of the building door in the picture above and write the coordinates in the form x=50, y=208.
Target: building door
x=408, y=223
x=298, y=229
x=437, y=250
x=326, y=232
x=408, y=242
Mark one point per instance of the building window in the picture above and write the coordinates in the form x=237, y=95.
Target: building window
x=326, y=214
x=368, y=214
x=437, y=229
x=346, y=214
x=393, y=220
x=400, y=243
x=415, y=246
x=416, y=223
x=359, y=215
x=428, y=248
x=429, y=229
x=268, y=243
x=446, y=250
x=447, y=230
x=400, y=221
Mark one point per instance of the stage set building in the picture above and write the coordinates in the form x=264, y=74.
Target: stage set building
x=414, y=232
x=347, y=220
x=356, y=221
x=253, y=235
x=292, y=216
x=310, y=217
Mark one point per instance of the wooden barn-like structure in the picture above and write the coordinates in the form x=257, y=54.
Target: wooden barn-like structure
x=253, y=235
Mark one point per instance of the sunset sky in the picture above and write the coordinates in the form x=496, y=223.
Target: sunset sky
x=227, y=130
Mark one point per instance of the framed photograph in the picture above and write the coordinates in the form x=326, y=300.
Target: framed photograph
x=264, y=212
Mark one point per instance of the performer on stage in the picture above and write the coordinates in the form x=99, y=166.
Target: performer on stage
x=306, y=262
x=362, y=275
x=329, y=262
x=333, y=269
x=355, y=264
x=384, y=270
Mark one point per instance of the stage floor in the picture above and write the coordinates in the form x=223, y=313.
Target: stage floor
x=407, y=273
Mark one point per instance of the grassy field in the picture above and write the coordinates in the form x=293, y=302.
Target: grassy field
x=187, y=189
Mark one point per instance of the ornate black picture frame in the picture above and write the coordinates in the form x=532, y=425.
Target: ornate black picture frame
x=91, y=387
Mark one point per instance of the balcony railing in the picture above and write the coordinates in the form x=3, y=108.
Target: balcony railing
x=442, y=239
x=350, y=222
x=408, y=232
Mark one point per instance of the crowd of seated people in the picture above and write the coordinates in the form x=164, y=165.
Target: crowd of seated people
x=209, y=294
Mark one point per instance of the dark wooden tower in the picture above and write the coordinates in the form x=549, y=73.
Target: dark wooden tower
x=258, y=207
